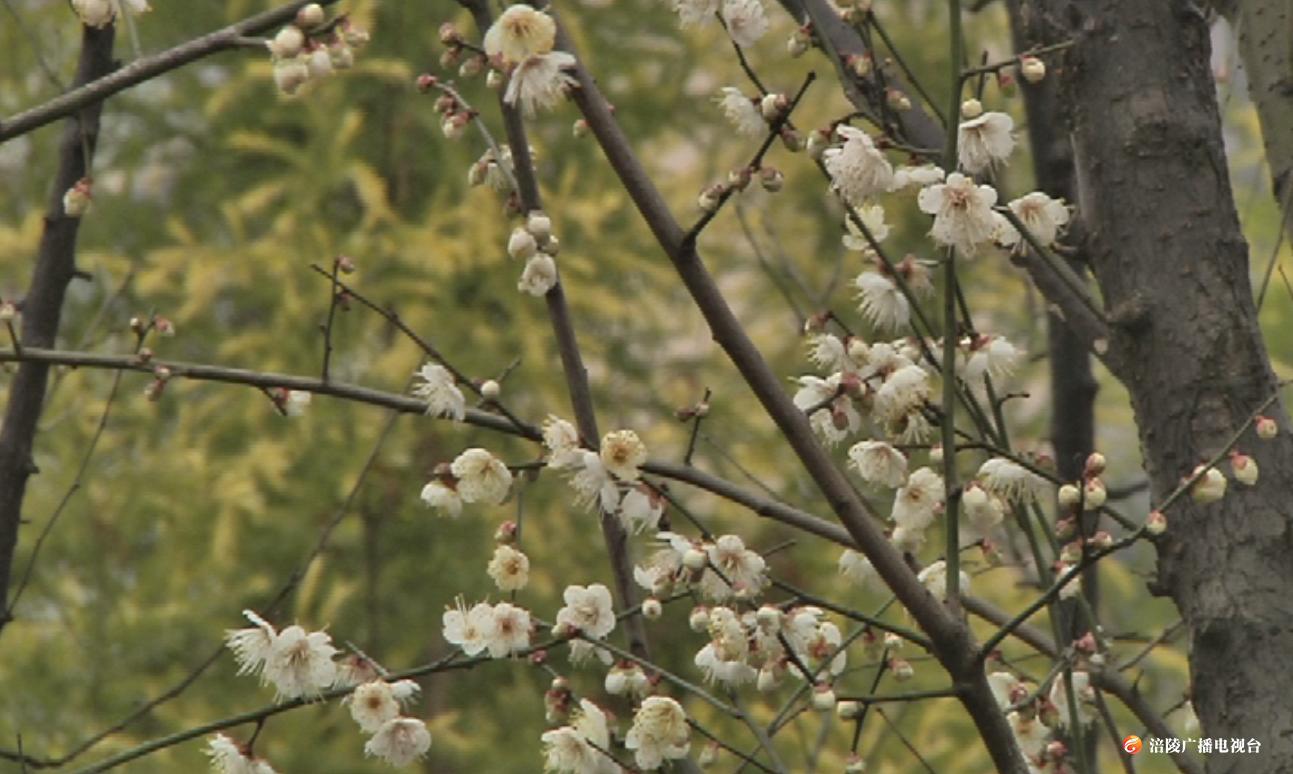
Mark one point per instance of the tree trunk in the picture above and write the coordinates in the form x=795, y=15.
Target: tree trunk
x=1168, y=254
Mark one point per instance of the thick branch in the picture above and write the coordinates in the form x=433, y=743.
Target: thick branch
x=42, y=307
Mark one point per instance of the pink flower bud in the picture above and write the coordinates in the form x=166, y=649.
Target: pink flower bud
x=1156, y=523
x=902, y=669
x=1266, y=428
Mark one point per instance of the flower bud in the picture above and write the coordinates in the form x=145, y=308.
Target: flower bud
x=1266, y=428
x=1095, y=464
x=739, y=179
x=579, y=129
x=494, y=80
x=454, y=126
x=76, y=200
x=1101, y=540
x=1094, y=493
x=539, y=225
x=651, y=608
x=797, y=44
x=772, y=106
x=971, y=108
x=1071, y=553
x=892, y=641
x=319, y=63
x=1065, y=529
x=490, y=389
x=1069, y=496
x=699, y=619
x=1244, y=468
x=1156, y=523
x=936, y=454
x=791, y=140
x=290, y=75
x=449, y=34
x=310, y=16
x=771, y=179
x=708, y=755
x=287, y=43
x=342, y=56
x=897, y=100
x=694, y=559
x=769, y=618
x=353, y=34
x=1210, y=486
x=617, y=681
x=854, y=764
x=818, y=141
x=471, y=67
x=902, y=669
x=1032, y=69
x=823, y=698
x=860, y=65
x=506, y=533
x=521, y=244
x=709, y=198
x=848, y=710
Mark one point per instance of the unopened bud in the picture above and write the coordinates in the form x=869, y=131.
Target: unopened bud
x=579, y=129
x=1266, y=427
x=1095, y=464
x=698, y=620
x=936, y=454
x=773, y=106
x=76, y=200
x=854, y=764
x=971, y=109
x=506, y=533
x=818, y=141
x=651, y=608
x=1244, y=468
x=694, y=559
x=1032, y=69
x=1094, y=494
x=521, y=244
x=494, y=80
x=539, y=224
x=1101, y=540
x=739, y=179
x=771, y=179
x=1069, y=496
x=490, y=390
x=287, y=43
x=454, y=126
x=823, y=698
x=449, y=34
x=901, y=668
x=1156, y=523
x=848, y=710
x=1210, y=486
x=709, y=198
x=797, y=44
x=897, y=100
x=708, y=755
x=892, y=641
x=310, y=16
x=860, y=65
x=471, y=67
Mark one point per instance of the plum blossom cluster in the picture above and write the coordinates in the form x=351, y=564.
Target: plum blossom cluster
x=299, y=664
x=609, y=479
x=501, y=630
x=309, y=49
x=229, y=757
x=475, y=476
x=520, y=57
x=376, y=706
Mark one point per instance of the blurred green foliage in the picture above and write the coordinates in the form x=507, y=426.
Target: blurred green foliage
x=213, y=197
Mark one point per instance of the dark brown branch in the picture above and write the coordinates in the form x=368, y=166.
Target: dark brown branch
x=43, y=305
x=107, y=82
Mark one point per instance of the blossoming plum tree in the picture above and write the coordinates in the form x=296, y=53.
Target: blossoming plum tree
x=900, y=424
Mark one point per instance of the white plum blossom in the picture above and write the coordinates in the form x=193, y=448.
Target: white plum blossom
x=622, y=454
x=94, y=13
x=593, y=483
x=587, y=610
x=923, y=175
x=659, y=732
x=984, y=141
x=300, y=663
x=1009, y=480
x=918, y=501
x=377, y=701
x=879, y=463
x=904, y=392
x=1085, y=698
x=640, y=509
x=962, y=210
x=746, y=21
x=540, y=82
x=251, y=646
x=1030, y=733
x=982, y=509
x=471, y=630
x=828, y=352
x=400, y=741
x=539, y=275
x=519, y=33
x=742, y=568
x=692, y=13
x=1043, y=216
x=228, y=757
x=511, y=631
x=724, y=657
x=835, y=421
x=295, y=402
x=858, y=169
x=1002, y=685
x=663, y=568
x=509, y=568
x=561, y=439
x=444, y=498
x=741, y=112
x=935, y=579
x=578, y=747
x=992, y=356
x=482, y=477
x=815, y=639
x=442, y=396
x=882, y=302
x=872, y=216
x=857, y=569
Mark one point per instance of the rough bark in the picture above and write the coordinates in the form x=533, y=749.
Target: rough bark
x=1167, y=251
x=42, y=307
x=1265, y=30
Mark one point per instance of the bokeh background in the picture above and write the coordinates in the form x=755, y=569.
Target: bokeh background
x=213, y=196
